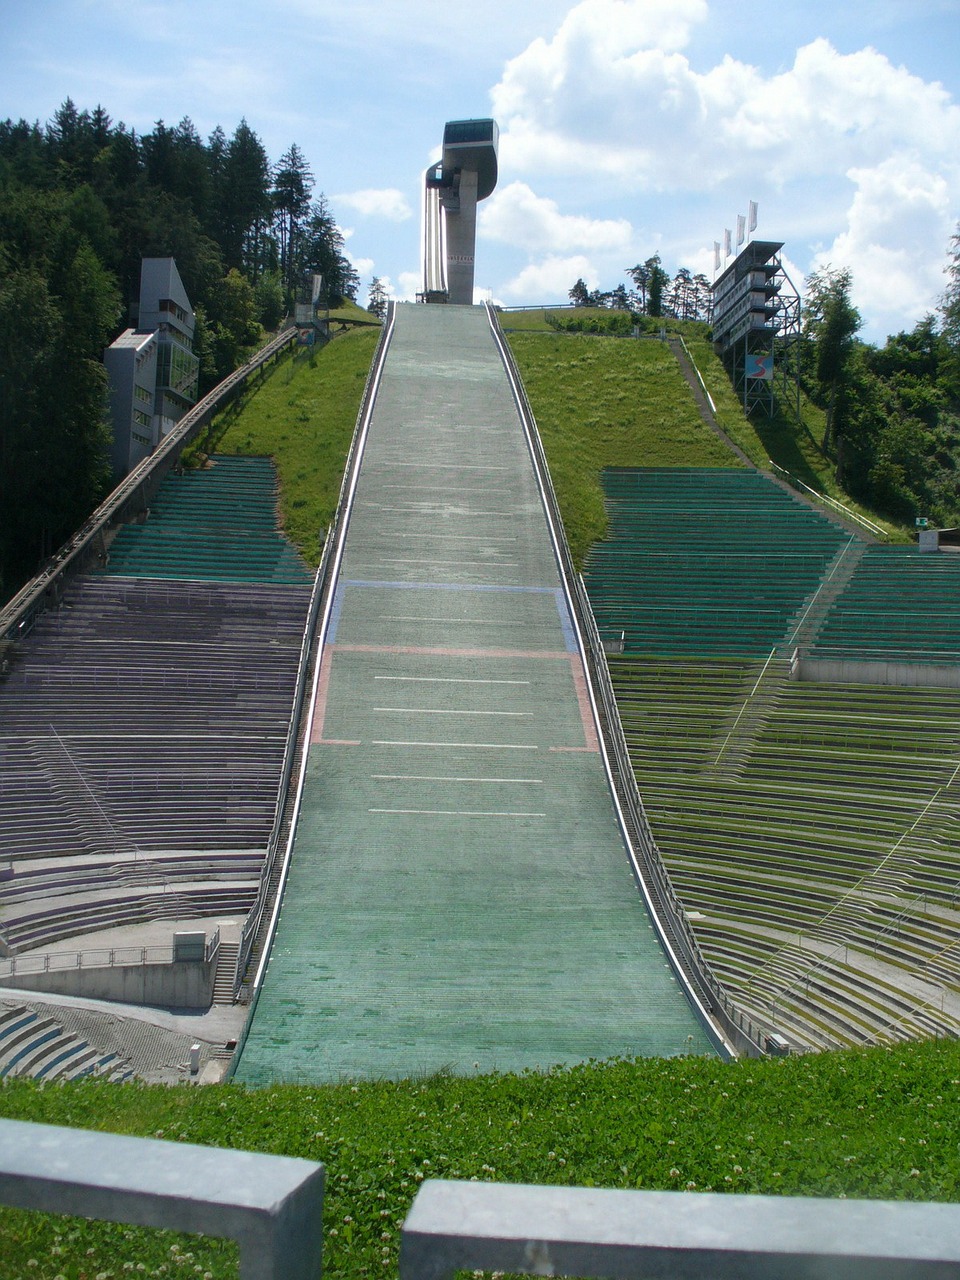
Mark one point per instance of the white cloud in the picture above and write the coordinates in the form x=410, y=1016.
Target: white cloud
x=552, y=277
x=386, y=202
x=900, y=209
x=831, y=110
x=602, y=97
x=845, y=150
x=515, y=215
x=594, y=35
x=409, y=284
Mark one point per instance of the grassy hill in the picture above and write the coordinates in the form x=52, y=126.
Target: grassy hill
x=611, y=401
x=608, y=402
x=303, y=415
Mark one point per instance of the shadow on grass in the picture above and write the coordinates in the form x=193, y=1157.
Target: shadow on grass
x=790, y=446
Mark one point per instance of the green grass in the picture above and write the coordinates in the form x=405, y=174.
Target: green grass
x=349, y=313
x=609, y=402
x=303, y=415
x=879, y=1123
x=533, y=321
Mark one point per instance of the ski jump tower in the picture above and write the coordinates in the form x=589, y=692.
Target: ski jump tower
x=466, y=173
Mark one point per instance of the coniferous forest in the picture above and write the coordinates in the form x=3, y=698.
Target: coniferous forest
x=82, y=200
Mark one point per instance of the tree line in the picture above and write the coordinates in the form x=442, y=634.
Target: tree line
x=891, y=413
x=654, y=293
x=82, y=201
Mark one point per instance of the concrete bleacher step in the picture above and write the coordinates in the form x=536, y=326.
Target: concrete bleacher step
x=20, y=1037
x=741, y=731
x=39, y=1047
x=65, y=776
x=66, y=1061
x=808, y=622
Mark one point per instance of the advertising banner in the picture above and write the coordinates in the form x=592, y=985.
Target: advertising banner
x=759, y=366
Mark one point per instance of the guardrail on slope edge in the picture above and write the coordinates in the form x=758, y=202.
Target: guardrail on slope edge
x=733, y=1029
x=321, y=605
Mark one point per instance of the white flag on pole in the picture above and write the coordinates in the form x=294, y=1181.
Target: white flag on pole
x=752, y=219
x=727, y=244
x=716, y=255
x=741, y=229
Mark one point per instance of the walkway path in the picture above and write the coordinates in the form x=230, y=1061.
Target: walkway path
x=459, y=895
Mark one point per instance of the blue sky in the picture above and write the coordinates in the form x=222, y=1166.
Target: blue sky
x=628, y=127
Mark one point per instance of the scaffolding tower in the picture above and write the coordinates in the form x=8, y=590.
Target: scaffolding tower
x=756, y=324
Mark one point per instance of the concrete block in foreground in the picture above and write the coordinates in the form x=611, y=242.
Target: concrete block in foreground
x=271, y=1205
x=656, y=1235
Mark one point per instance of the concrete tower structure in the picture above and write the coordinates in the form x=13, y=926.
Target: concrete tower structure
x=152, y=370
x=466, y=173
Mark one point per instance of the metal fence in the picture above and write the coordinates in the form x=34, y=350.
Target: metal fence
x=98, y=958
x=260, y=922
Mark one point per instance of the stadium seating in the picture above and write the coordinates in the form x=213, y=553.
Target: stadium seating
x=822, y=870
x=143, y=723
x=810, y=829
x=704, y=561
x=900, y=603
x=217, y=523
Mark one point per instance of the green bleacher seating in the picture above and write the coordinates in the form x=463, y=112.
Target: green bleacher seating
x=704, y=561
x=216, y=524
x=900, y=605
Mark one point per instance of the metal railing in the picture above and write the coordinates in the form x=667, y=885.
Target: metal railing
x=271, y=1205
x=259, y=925
x=848, y=512
x=254, y=919
x=97, y=958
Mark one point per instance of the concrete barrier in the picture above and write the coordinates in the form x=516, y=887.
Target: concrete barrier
x=271, y=1205
x=651, y=1235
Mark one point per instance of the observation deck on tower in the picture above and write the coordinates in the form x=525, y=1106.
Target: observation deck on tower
x=466, y=173
x=756, y=321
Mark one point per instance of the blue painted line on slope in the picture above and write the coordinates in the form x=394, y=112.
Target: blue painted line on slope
x=566, y=622
x=446, y=586
x=336, y=609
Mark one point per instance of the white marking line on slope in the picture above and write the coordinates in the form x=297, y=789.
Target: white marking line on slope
x=496, y=562
x=442, y=488
x=463, y=813
x=419, y=511
x=465, y=537
x=453, y=711
x=450, y=466
x=448, y=679
x=471, y=622
x=442, y=777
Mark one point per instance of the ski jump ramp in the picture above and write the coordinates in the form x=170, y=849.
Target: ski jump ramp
x=459, y=895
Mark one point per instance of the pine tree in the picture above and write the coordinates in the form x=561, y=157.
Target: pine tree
x=831, y=325
x=244, y=203
x=377, y=301
x=292, y=187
